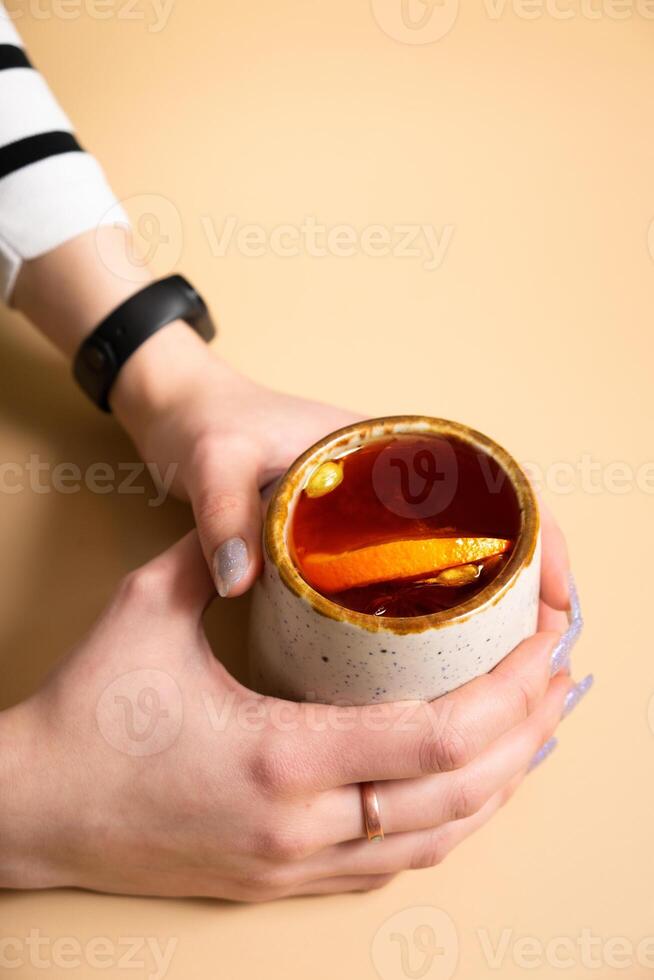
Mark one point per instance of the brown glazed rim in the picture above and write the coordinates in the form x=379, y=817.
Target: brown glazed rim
x=353, y=436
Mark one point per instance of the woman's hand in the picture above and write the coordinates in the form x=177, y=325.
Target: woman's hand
x=225, y=438
x=142, y=767
x=223, y=435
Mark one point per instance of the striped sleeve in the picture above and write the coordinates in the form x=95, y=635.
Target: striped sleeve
x=51, y=190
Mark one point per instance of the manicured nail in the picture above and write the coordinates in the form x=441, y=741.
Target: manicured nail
x=230, y=563
x=575, y=694
x=574, y=613
x=561, y=652
x=543, y=753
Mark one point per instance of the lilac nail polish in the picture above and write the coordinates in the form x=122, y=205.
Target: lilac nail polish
x=561, y=652
x=575, y=695
x=574, y=615
x=543, y=752
x=230, y=565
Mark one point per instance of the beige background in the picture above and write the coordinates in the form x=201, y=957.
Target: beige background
x=532, y=139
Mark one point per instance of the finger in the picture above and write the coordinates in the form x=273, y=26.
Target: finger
x=418, y=849
x=555, y=566
x=551, y=620
x=435, y=800
x=177, y=578
x=227, y=508
x=345, y=883
x=431, y=801
x=403, y=740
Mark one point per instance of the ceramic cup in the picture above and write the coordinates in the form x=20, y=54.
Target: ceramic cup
x=305, y=647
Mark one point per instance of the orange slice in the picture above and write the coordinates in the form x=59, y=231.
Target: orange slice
x=396, y=560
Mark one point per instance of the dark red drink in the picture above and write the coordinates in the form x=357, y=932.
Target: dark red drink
x=405, y=526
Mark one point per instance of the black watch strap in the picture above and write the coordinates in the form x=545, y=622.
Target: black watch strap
x=104, y=352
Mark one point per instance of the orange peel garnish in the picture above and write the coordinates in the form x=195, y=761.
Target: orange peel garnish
x=404, y=559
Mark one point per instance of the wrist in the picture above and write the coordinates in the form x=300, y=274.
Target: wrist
x=163, y=372
x=69, y=291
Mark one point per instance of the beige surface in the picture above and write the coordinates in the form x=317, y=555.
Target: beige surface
x=532, y=139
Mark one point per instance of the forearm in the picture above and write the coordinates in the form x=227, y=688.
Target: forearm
x=51, y=189
x=66, y=259
x=68, y=290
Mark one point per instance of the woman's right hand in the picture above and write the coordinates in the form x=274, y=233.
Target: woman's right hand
x=142, y=767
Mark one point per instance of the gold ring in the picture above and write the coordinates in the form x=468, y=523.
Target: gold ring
x=371, y=816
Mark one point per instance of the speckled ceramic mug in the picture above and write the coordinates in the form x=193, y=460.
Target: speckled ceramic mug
x=304, y=647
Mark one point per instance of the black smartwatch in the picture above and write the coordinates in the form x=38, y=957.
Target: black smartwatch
x=104, y=352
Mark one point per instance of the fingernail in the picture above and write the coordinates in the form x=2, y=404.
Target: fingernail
x=575, y=694
x=543, y=753
x=561, y=653
x=230, y=563
x=574, y=613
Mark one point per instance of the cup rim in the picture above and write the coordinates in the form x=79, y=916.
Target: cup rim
x=360, y=433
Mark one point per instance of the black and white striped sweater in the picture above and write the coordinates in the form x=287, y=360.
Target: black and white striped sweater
x=51, y=190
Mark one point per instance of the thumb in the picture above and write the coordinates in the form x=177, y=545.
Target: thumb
x=225, y=500
x=178, y=577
